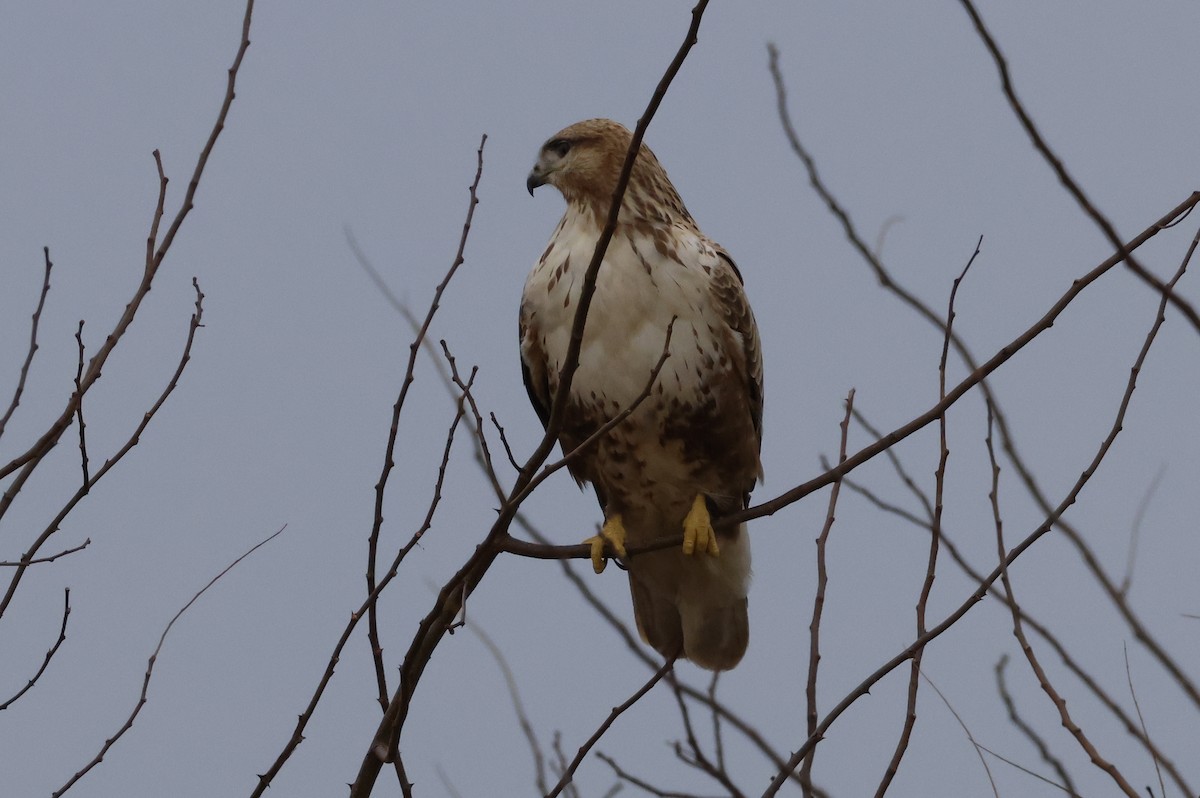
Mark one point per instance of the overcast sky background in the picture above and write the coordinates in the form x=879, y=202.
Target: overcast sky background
x=366, y=116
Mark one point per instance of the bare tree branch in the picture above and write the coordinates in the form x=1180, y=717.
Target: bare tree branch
x=1018, y=630
x=814, y=626
x=432, y=629
x=154, y=258
x=1030, y=733
x=1064, y=177
x=141, y=702
x=265, y=778
x=62, y=636
x=79, y=409
x=33, y=344
x=910, y=715
x=1162, y=788
x=29, y=557
x=1013, y=554
x=966, y=730
x=393, y=432
x=612, y=716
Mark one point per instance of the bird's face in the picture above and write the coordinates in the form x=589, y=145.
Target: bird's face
x=552, y=159
x=581, y=160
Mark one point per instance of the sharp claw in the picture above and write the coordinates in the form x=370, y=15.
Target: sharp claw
x=698, y=534
x=613, y=532
x=598, y=560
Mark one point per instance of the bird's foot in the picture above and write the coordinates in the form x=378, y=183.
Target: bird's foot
x=613, y=533
x=698, y=534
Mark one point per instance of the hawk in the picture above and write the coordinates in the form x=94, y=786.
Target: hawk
x=689, y=453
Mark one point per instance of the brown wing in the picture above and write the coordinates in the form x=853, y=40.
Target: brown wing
x=730, y=297
x=533, y=371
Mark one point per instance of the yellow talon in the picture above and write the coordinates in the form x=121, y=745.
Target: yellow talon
x=613, y=532
x=698, y=534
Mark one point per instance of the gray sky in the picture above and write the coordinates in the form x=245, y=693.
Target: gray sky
x=367, y=116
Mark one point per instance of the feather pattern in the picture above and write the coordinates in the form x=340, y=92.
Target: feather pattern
x=700, y=430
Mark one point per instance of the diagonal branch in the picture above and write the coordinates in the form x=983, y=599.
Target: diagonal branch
x=1060, y=170
x=981, y=590
x=612, y=716
x=141, y=702
x=30, y=555
x=393, y=432
x=154, y=258
x=62, y=637
x=814, y=626
x=33, y=344
x=434, y=626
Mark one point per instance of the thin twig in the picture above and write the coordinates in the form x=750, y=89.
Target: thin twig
x=1162, y=788
x=30, y=555
x=1018, y=630
x=814, y=626
x=1060, y=170
x=910, y=715
x=265, y=778
x=1030, y=733
x=154, y=259
x=510, y=680
x=1051, y=520
x=1135, y=531
x=641, y=784
x=393, y=431
x=141, y=702
x=62, y=636
x=79, y=408
x=33, y=344
x=697, y=758
x=569, y=773
x=1031, y=622
x=966, y=730
x=48, y=558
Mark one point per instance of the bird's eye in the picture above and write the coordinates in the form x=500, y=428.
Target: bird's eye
x=559, y=147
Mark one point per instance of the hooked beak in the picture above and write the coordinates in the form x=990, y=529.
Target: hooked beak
x=536, y=178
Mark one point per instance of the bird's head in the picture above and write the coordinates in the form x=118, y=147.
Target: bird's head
x=584, y=161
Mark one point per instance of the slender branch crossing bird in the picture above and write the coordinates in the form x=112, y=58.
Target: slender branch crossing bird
x=689, y=452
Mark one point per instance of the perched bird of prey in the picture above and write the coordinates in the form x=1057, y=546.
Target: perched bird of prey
x=689, y=453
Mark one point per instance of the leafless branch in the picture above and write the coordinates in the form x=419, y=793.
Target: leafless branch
x=265, y=778
x=393, y=432
x=966, y=730
x=1012, y=555
x=30, y=555
x=141, y=702
x=62, y=636
x=1162, y=788
x=484, y=451
x=33, y=344
x=79, y=408
x=433, y=627
x=48, y=558
x=641, y=784
x=1064, y=177
x=910, y=715
x=510, y=679
x=1136, y=531
x=814, y=626
x=612, y=716
x=154, y=258
x=1018, y=630
x=695, y=756
x=1031, y=733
